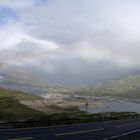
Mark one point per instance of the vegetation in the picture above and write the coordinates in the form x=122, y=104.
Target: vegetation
x=82, y=117
x=72, y=108
x=63, y=109
x=18, y=94
x=12, y=110
x=53, y=106
x=128, y=87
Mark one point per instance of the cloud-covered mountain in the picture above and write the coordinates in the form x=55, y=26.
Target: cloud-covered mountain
x=71, y=41
x=13, y=75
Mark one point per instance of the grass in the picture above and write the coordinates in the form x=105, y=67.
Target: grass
x=12, y=110
x=128, y=87
x=54, y=107
x=63, y=109
x=18, y=94
x=72, y=108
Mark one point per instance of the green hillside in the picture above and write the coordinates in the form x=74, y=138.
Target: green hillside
x=12, y=110
x=128, y=87
x=18, y=94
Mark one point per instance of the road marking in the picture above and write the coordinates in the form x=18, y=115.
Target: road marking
x=123, y=125
x=28, y=138
x=124, y=134
x=79, y=132
x=130, y=132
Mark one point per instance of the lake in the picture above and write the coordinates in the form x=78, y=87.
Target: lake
x=108, y=105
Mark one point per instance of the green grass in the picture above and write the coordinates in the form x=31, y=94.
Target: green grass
x=18, y=94
x=12, y=110
x=128, y=87
x=64, y=109
x=54, y=107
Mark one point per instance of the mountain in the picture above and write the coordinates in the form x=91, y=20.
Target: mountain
x=18, y=77
x=128, y=87
x=125, y=87
x=10, y=74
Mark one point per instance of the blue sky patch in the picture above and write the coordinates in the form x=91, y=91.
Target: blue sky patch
x=7, y=13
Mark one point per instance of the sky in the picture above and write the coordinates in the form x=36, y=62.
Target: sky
x=71, y=41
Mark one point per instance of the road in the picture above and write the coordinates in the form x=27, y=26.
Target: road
x=89, y=131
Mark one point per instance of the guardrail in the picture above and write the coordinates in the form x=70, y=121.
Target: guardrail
x=67, y=121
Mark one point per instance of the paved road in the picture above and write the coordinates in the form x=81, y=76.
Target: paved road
x=90, y=131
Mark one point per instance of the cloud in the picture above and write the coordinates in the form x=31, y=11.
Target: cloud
x=16, y=3
x=84, y=39
x=18, y=46
x=99, y=30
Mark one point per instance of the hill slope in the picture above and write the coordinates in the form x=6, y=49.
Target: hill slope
x=15, y=75
x=17, y=95
x=126, y=87
x=11, y=108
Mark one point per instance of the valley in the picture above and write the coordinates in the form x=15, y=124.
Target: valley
x=36, y=94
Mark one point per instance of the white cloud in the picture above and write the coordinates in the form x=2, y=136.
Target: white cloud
x=93, y=29
x=16, y=3
x=73, y=35
x=18, y=46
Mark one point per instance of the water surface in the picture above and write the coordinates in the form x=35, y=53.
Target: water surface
x=113, y=106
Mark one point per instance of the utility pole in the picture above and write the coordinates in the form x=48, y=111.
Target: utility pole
x=86, y=106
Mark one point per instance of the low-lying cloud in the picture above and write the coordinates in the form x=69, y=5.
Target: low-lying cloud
x=77, y=40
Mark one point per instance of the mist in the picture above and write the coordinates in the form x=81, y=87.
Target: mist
x=72, y=42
